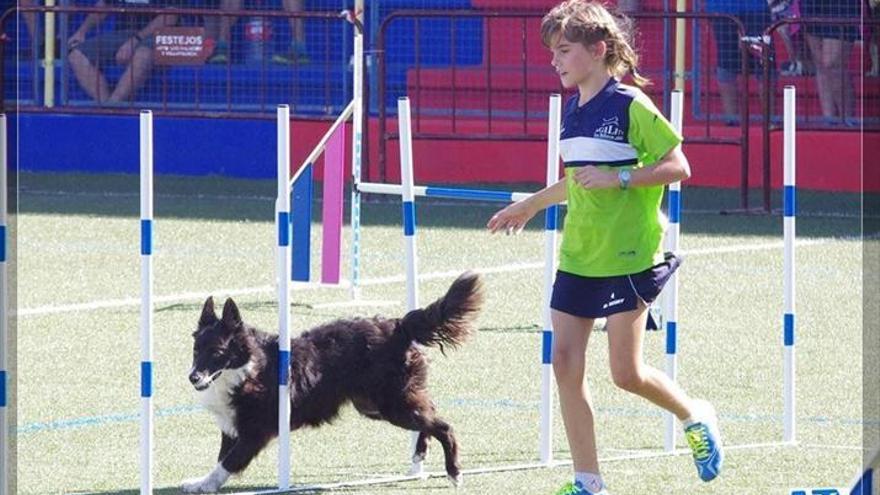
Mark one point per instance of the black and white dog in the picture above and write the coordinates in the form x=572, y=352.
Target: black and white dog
x=374, y=363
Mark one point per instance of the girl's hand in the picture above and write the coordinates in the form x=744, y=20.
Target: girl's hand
x=593, y=178
x=512, y=219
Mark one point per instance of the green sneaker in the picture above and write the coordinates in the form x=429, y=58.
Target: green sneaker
x=578, y=489
x=220, y=55
x=704, y=439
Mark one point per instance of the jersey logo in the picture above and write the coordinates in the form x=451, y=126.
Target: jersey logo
x=610, y=130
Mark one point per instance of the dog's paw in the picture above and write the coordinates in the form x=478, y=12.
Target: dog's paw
x=456, y=480
x=199, y=485
x=417, y=468
x=209, y=484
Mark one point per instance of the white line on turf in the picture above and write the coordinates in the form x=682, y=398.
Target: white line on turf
x=299, y=286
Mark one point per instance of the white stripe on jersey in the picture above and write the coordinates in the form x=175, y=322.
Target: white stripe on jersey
x=588, y=149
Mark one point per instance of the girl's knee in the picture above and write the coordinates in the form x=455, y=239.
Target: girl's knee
x=567, y=368
x=628, y=378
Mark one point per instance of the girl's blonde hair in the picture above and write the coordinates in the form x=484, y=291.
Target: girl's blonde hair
x=585, y=22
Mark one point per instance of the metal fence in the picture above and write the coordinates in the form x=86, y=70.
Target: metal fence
x=248, y=75
x=497, y=89
x=831, y=96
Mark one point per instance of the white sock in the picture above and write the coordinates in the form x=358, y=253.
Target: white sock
x=592, y=482
x=699, y=414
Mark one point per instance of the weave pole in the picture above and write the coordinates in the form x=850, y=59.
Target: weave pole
x=146, y=184
x=4, y=325
x=788, y=274
x=409, y=207
x=356, y=150
x=670, y=300
x=551, y=216
x=409, y=233
x=282, y=219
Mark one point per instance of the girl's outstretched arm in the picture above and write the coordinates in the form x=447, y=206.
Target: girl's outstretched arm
x=515, y=216
x=673, y=167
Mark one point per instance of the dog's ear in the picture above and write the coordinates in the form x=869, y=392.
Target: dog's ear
x=208, y=316
x=231, y=316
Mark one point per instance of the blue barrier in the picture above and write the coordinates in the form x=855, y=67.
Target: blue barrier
x=102, y=143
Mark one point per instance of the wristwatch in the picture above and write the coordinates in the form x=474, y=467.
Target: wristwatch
x=624, y=176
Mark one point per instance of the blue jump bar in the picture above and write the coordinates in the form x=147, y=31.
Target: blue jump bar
x=790, y=201
x=146, y=378
x=671, y=337
x=788, y=329
x=2, y=243
x=551, y=216
x=409, y=218
x=146, y=237
x=477, y=194
x=547, y=347
x=301, y=201
x=675, y=206
x=283, y=367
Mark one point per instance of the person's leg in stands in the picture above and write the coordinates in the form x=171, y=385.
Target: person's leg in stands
x=30, y=20
x=836, y=53
x=220, y=28
x=825, y=100
x=833, y=80
x=135, y=74
x=90, y=78
x=297, y=53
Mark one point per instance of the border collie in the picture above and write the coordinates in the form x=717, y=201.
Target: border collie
x=374, y=363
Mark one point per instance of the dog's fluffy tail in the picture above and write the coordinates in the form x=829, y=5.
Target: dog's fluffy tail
x=448, y=320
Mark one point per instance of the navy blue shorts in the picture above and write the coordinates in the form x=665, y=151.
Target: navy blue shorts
x=598, y=297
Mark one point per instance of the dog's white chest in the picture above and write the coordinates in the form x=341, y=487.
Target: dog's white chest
x=217, y=398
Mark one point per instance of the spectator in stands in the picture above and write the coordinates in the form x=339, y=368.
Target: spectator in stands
x=831, y=46
x=130, y=44
x=791, y=38
x=755, y=16
x=873, y=34
x=30, y=22
x=220, y=28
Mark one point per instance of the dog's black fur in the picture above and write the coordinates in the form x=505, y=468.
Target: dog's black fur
x=374, y=363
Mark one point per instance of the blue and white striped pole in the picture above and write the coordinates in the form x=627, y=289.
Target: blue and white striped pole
x=550, y=219
x=409, y=206
x=670, y=309
x=356, y=150
x=146, y=184
x=788, y=272
x=282, y=222
x=4, y=328
x=409, y=230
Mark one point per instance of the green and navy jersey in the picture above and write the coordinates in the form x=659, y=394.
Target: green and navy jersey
x=612, y=232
